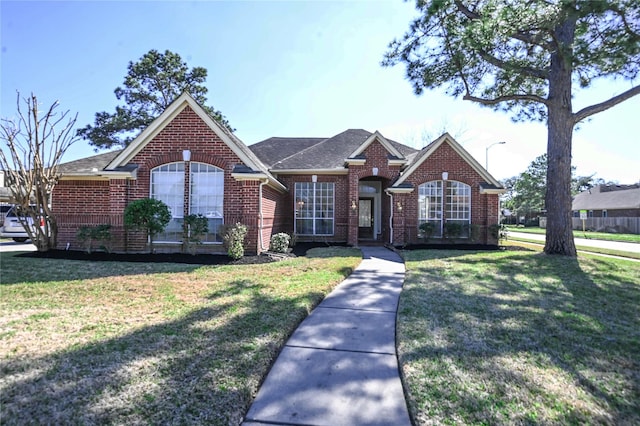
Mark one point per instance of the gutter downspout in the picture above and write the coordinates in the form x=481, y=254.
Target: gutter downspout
x=391, y=219
x=261, y=216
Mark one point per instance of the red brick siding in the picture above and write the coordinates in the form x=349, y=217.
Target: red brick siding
x=376, y=156
x=341, y=207
x=484, y=207
x=95, y=202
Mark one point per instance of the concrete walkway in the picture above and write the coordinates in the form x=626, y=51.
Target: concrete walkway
x=612, y=245
x=340, y=367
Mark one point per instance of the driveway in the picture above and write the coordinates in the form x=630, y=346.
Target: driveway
x=10, y=245
x=611, y=245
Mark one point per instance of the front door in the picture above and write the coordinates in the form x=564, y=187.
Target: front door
x=365, y=218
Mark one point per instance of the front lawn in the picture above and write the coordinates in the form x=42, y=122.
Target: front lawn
x=519, y=337
x=133, y=343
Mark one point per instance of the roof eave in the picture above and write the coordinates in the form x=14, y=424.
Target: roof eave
x=492, y=190
x=101, y=175
x=334, y=171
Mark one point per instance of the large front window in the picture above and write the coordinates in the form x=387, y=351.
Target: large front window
x=167, y=185
x=441, y=203
x=314, y=204
x=205, y=196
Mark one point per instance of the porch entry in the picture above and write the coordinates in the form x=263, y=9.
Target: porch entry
x=369, y=210
x=365, y=218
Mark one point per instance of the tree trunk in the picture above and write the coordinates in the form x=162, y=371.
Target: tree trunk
x=559, y=234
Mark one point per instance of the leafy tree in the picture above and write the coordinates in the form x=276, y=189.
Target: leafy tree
x=526, y=57
x=526, y=192
x=149, y=215
x=35, y=143
x=151, y=84
x=531, y=186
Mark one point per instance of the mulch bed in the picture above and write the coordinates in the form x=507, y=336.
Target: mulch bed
x=199, y=259
x=300, y=249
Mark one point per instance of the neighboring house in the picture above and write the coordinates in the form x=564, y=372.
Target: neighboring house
x=608, y=201
x=355, y=187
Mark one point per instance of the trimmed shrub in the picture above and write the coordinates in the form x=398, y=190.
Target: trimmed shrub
x=195, y=226
x=280, y=243
x=148, y=215
x=234, y=240
x=428, y=229
x=87, y=235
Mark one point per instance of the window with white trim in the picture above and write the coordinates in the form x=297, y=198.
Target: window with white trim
x=167, y=185
x=441, y=202
x=314, y=206
x=430, y=207
x=205, y=197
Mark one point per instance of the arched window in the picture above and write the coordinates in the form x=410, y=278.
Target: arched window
x=441, y=202
x=205, y=196
x=167, y=185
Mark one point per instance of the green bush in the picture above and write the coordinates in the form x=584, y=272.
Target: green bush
x=234, y=240
x=87, y=235
x=453, y=230
x=428, y=229
x=280, y=243
x=498, y=232
x=148, y=215
x=195, y=226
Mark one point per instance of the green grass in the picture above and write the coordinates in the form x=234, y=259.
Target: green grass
x=628, y=238
x=132, y=343
x=519, y=337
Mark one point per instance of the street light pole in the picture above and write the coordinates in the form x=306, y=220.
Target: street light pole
x=486, y=153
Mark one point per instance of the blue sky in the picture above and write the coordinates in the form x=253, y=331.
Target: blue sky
x=284, y=69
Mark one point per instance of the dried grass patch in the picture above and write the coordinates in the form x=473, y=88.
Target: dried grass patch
x=91, y=342
x=520, y=337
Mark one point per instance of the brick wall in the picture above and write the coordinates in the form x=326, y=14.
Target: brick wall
x=484, y=207
x=79, y=203
x=341, y=206
x=376, y=156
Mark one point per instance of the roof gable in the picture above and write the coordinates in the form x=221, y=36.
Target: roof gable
x=183, y=101
x=427, y=151
x=314, y=154
x=382, y=140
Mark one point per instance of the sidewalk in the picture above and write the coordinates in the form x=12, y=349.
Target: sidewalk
x=612, y=245
x=340, y=367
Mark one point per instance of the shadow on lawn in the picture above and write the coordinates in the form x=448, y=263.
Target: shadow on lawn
x=61, y=265
x=537, y=312
x=200, y=369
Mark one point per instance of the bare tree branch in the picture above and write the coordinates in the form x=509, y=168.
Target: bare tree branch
x=35, y=144
x=602, y=106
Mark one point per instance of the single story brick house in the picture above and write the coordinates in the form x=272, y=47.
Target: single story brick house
x=608, y=201
x=356, y=187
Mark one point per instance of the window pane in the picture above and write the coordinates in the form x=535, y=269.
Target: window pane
x=207, y=197
x=167, y=185
x=314, y=208
x=458, y=205
x=430, y=207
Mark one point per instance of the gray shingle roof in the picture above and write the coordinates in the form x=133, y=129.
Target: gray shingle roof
x=272, y=150
x=316, y=153
x=603, y=198
x=87, y=165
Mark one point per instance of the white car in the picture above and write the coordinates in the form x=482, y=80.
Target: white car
x=13, y=228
